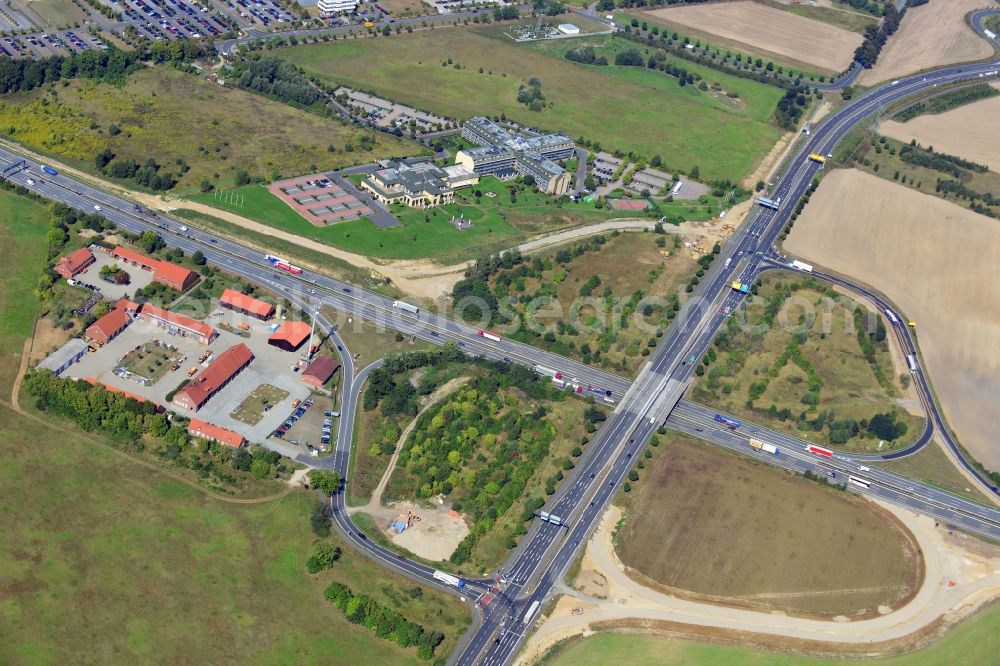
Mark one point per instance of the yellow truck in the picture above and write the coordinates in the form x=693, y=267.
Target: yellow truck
x=816, y=157
x=369, y=24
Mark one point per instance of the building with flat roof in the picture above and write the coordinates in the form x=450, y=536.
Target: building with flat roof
x=179, y=324
x=75, y=262
x=568, y=29
x=290, y=336
x=199, y=428
x=504, y=154
x=164, y=272
x=65, y=356
x=319, y=371
x=107, y=328
x=248, y=305
x=332, y=7
x=214, y=378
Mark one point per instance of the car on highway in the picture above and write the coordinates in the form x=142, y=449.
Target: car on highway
x=30, y=182
x=98, y=208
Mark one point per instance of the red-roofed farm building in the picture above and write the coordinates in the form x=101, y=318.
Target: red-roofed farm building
x=199, y=428
x=248, y=305
x=290, y=336
x=75, y=262
x=215, y=377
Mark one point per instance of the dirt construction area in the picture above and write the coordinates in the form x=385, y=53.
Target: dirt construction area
x=937, y=262
x=931, y=35
x=705, y=524
x=767, y=32
x=966, y=131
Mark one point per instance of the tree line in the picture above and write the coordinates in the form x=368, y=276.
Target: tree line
x=112, y=65
x=386, y=623
x=948, y=101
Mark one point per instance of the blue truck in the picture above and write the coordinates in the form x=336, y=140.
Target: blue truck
x=49, y=170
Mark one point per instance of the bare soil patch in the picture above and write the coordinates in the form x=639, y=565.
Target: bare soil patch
x=906, y=244
x=954, y=132
x=769, y=32
x=712, y=526
x=931, y=35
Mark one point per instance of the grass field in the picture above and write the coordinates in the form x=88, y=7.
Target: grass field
x=496, y=223
x=150, y=361
x=713, y=524
x=932, y=466
x=974, y=641
x=23, y=226
x=252, y=409
x=848, y=19
x=54, y=13
x=639, y=111
x=147, y=569
x=229, y=129
x=596, y=328
x=753, y=366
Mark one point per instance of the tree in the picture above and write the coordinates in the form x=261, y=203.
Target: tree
x=103, y=158
x=260, y=469
x=759, y=187
x=319, y=520
x=323, y=557
x=328, y=482
x=198, y=258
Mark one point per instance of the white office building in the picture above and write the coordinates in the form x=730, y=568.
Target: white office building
x=331, y=7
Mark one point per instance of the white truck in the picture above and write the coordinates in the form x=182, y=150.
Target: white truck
x=405, y=307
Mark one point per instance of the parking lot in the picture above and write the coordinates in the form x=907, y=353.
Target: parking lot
x=271, y=366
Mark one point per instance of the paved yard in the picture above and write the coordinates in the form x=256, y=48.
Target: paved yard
x=112, y=292
x=270, y=366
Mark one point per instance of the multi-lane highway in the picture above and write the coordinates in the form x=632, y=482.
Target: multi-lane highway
x=546, y=551
x=642, y=405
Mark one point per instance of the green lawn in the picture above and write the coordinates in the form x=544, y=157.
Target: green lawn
x=631, y=110
x=496, y=222
x=974, y=641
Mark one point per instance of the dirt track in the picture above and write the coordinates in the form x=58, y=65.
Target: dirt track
x=966, y=131
x=765, y=30
x=931, y=35
x=972, y=569
x=937, y=262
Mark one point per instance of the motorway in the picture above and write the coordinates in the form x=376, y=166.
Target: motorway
x=643, y=405
x=547, y=550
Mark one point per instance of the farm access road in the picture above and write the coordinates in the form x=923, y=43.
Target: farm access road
x=975, y=576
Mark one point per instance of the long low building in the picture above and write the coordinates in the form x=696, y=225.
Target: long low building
x=248, y=305
x=179, y=324
x=215, y=377
x=164, y=272
x=107, y=328
x=199, y=428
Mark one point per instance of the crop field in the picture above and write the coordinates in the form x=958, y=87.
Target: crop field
x=581, y=305
x=705, y=522
x=949, y=132
x=903, y=243
x=145, y=568
x=227, y=129
x=793, y=360
x=766, y=31
x=645, y=112
x=840, y=16
x=974, y=641
x=931, y=35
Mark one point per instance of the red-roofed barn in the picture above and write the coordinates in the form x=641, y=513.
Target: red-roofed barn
x=319, y=371
x=176, y=323
x=215, y=377
x=248, y=305
x=107, y=328
x=199, y=428
x=75, y=262
x=164, y=272
x=290, y=336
